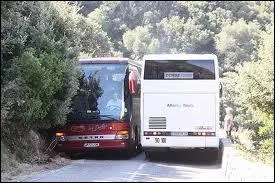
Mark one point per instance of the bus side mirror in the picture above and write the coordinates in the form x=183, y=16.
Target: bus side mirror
x=221, y=90
x=132, y=83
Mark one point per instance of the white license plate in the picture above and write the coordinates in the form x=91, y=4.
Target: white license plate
x=91, y=144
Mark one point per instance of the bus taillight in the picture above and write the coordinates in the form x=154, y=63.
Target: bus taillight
x=201, y=134
x=154, y=133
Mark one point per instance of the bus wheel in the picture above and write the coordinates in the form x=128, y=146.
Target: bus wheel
x=213, y=154
x=128, y=153
x=147, y=154
x=138, y=148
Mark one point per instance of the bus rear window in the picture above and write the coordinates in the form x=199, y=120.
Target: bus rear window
x=179, y=69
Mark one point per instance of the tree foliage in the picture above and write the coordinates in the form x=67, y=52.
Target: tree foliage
x=252, y=92
x=238, y=43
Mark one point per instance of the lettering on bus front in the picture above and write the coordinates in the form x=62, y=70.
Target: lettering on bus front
x=97, y=127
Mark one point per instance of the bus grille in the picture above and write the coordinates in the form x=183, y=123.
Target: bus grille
x=157, y=122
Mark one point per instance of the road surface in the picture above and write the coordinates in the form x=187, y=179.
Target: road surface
x=169, y=167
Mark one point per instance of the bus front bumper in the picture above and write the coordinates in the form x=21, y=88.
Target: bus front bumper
x=84, y=146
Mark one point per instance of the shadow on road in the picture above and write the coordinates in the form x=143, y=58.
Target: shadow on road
x=191, y=157
x=187, y=157
x=110, y=155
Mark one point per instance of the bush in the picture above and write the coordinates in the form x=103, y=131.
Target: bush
x=267, y=150
x=251, y=91
x=245, y=138
x=44, y=71
x=40, y=75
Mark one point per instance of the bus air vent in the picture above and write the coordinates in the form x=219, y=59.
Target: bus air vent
x=157, y=122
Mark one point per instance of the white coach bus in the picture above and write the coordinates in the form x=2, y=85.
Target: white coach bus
x=180, y=102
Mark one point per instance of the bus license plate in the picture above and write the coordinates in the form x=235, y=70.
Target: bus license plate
x=91, y=144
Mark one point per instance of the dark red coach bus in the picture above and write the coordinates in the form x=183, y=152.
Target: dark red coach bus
x=106, y=110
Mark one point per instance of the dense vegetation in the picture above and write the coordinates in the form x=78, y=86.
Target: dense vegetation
x=41, y=41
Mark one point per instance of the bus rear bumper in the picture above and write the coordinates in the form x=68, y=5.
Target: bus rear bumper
x=178, y=143
x=169, y=149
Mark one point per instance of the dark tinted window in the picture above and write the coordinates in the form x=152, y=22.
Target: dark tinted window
x=179, y=69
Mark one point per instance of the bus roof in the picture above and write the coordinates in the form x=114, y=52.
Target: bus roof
x=105, y=60
x=179, y=56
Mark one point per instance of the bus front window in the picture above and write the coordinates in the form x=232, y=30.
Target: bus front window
x=101, y=91
x=114, y=104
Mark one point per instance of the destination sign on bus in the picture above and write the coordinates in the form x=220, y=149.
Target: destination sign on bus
x=178, y=75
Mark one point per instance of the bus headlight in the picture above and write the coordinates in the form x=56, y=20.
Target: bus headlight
x=60, y=136
x=122, y=135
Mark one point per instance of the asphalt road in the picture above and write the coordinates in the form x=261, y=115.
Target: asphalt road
x=168, y=167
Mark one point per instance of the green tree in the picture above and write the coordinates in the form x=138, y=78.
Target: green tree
x=40, y=64
x=88, y=6
x=237, y=43
x=137, y=41
x=252, y=94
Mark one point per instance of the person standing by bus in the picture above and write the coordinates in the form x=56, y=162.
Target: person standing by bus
x=228, y=121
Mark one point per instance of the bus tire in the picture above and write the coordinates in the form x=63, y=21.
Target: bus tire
x=150, y=155
x=213, y=154
x=128, y=153
x=147, y=154
x=138, y=148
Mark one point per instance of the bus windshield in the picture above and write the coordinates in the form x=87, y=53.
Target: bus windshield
x=179, y=69
x=100, y=94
